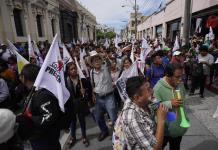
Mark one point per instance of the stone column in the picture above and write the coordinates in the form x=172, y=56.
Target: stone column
x=164, y=30
x=8, y=30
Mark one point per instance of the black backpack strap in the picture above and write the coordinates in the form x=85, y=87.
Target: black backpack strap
x=92, y=78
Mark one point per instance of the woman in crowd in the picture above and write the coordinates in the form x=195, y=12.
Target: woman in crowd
x=127, y=62
x=80, y=91
x=115, y=75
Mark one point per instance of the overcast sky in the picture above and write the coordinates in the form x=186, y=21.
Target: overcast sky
x=111, y=12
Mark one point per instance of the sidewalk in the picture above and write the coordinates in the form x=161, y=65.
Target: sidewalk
x=202, y=135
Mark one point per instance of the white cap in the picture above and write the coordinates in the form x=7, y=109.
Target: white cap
x=7, y=125
x=176, y=53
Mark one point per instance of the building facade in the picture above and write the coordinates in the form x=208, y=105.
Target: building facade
x=86, y=24
x=68, y=20
x=39, y=18
x=131, y=24
x=42, y=19
x=168, y=23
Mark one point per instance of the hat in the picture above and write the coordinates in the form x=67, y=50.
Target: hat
x=7, y=125
x=203, y=48
x=166, y=48
x=92, y=55
x=176, y=53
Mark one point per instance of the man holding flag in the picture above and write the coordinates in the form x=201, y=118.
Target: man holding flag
x=42, y=111
x=39, y=122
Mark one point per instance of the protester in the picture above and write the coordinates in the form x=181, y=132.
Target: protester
x=80, y=92
x=164, y=91
x=104, y=92
x=156, y=70
x=115, y=75
x=7, y=130
x=6, y=72
x=39, y=121
x=4, y=53
x=177, y=57
x=127, y=62
x=206, y=60
x=138, y=123
x=4, y=94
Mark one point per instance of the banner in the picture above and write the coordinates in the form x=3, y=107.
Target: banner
x=121, y=82
x=51, y=75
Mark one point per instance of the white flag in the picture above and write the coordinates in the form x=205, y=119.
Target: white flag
x=82, y=62
x=21, y=61
x=83, y=40
x=144, y=43
x=145, y=50
x=116, y=41
x=216, y=62
x=176, y=44
x=106, y=44
x=81, y=75
x=66, y=56
x=211, y=35
x=36, y=49
x=51, y=75
x=30, y=48
x=121, y=82
x=132, y=53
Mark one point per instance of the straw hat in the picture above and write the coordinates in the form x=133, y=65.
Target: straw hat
x=93, y=54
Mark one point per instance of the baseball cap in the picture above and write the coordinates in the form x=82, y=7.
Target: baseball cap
x=176, y=53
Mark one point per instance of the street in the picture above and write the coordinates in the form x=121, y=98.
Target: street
x=202, y=135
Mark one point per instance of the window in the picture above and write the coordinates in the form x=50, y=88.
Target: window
x=133, y=23
x=39, y=25
x=18, y=22
x=53, y=26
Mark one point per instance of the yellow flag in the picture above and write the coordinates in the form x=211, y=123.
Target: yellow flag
x=21, y=61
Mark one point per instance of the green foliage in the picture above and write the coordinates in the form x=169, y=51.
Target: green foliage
x=103, y=35
x=110, y=35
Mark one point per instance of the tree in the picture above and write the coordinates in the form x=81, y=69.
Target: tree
x=103, y=35
x=110, y=35
x=100, y=34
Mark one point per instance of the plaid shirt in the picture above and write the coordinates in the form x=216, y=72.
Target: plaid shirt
x=139, y=127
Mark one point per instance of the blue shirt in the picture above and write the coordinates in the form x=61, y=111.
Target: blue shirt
x=155, y=73
x=165, y=60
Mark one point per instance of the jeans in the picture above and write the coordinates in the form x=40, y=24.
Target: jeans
x=82, y=123
x=198, y=80
x=105, y=104
x=46, y=143
x=173, y=142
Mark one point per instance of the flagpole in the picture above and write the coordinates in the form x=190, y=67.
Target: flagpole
x=81, y=85
x=28, y=99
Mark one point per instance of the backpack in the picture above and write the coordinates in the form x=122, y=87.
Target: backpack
x=118, y=138
x=196, y=69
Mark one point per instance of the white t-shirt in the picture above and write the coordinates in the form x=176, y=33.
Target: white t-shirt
x=209, y=59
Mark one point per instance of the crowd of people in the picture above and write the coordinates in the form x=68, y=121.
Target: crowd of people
x=162, y=72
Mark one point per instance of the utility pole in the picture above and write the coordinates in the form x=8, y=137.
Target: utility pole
x=187, y=22
x=135, y=7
